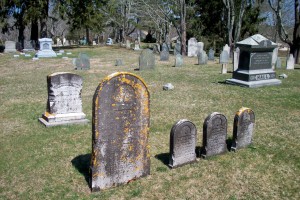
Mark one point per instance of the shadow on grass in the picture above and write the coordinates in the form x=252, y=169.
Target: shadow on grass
x=229, y=143
x=198, y=151
x=82, y=164
x=163, y=157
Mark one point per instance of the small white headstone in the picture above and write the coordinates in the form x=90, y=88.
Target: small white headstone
x=290, y=63
x=69, y=53
x=192, y=47
x=227, y=48
x=16, y=56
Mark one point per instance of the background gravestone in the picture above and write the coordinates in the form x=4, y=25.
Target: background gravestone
x=211, y=54
x=164, y=47
x=200, y=46
x=227, y=49
x=236, y=55
x=128, y=45
x=192, y=47
x=177, y=49
x=156, y=48
x=121, y=117
x=202, y=58
x=82, y=62
x=214, y=135
x=224, y=59
x=274, y=57
x=45, y=48
x=183, y=138
x=278, y=63
x=10, y=47
x=164, y=55
x=178, y=60
x=146, y=60
x=290, y=62
x=64, y=105
x=243, y=128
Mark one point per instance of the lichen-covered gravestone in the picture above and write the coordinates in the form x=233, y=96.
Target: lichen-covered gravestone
x=214, y=135
x=243, y=128
x=183, y=139
x=146, y=60
x=82, y=62
x=64, y=105
x=121, y=117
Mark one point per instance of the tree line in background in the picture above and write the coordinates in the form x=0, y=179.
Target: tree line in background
x=216, y=22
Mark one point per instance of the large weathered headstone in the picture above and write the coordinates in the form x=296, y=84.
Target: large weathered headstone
x=177, y=49
x=146, y=60
x=82, y=62
x=121, y=117
x=192, y=47
x=211, y=54
x=255, y=63
x=64, y=104
x=164, y=55
x=278, y=63
x=178, y=60
x=45, y=48
x=183, y=138
x=214, y=135
x=10, y=47
x=243, y=128
x=290, y=62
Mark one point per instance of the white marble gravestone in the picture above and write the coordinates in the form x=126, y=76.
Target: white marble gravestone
x=290, y=62
x=227, y=49
x=10, y=47
x=274, y=57
x=64, y=104
x=46, y=48
x=192, y=47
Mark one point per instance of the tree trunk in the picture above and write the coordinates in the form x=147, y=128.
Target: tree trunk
x=183, y=27
x=296, y=33
x=34, y=33
x=87, y=35
x=21, y=35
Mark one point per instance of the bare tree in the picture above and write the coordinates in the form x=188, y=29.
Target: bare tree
x=277, y=6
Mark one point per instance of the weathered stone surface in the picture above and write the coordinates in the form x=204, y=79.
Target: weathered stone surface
x=128, y=45
x=255, y=63
x=192, y=47
x=290, y=62
x=243, y=128
x=211, y=54
x=178, y=60
x=224, y=57
x=202, y=58
x=278, y=63
x=82, y=62
x=177, y=49
x=10, y=47
x=227, y=49
x=164, y=55
x=45, y=48
x=165, y=47
x=64, y=105
x=214, y=135
x=121, y=117
x=200, y=47
x=146, y=60
x=156, y=48
x=183, y=138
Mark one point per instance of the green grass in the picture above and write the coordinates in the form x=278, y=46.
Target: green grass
x=51, y=163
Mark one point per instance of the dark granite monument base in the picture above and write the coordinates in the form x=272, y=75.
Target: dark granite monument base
x=253, y=84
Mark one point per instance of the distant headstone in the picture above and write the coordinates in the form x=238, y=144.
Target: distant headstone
x=178, y=60
x=45, y=48
x=274, y=57
x=156, y=48
x=119, y=62
x=128, y=45
x=82, y=62
x=211, y=54
x=164, y=55
x=28, y=46
x=164, y=47
x=177, y=49
x=69, y=53
x=27, y=55
x=192, y=47
x=236, y=55
x=59, y=54
x=16, y=56
x=10, y=47
x=227, y=49
x=214, y=135
x=136, y=45
x=146, y=60
x=61, y=51
x=202, y=58
x=200, y=47
x=290, y=62
x=255, y=63
x=224, y=57
x=183, y=138
x=278, y=63
x=64, y=105
x=243, y=128
x=121, y=117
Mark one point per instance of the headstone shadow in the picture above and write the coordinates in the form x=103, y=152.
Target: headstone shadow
x=229, y=143
x=163, y=157
x=82, y=164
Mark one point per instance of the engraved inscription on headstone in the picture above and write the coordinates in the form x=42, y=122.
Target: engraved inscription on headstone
x=214, y=135
x=183, y=139
x=121, y=117
x=146, y=60
x=243, y=128
x=64, y=105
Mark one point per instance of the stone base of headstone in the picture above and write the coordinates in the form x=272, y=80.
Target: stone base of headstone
x=224, y=69
x=46, y=54
x=63, y=119
x=253, y=84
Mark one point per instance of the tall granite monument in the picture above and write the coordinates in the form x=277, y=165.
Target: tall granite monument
x=121, y=118
x=255, y=63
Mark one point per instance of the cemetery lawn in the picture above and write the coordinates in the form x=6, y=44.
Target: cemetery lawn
x=52, y=163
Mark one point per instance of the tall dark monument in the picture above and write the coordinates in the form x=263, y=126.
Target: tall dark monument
x=255, y=63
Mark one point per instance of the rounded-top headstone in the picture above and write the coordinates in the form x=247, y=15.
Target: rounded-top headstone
x=121, y=118
x=243, y=128
x=183, y=139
